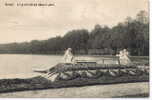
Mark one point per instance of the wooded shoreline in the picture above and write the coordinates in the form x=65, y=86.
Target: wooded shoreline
x=131, y=34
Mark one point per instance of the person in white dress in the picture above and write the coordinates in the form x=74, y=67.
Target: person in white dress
x=68, y=56
x=124, y=57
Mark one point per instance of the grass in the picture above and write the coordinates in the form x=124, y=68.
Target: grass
x=37, y=83
x=144, y=95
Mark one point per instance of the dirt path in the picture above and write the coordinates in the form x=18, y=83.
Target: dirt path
x=99, y=91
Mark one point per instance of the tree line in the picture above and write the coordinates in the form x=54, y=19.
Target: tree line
x=132, y=34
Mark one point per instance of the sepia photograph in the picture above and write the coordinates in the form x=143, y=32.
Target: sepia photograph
x=74, y=49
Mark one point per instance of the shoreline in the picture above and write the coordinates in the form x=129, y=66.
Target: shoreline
x=63, y=54
x=40, y=83
x=123, y=90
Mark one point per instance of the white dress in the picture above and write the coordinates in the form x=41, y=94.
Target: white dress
x=126, y=59
x=123, y=58
x=68, y=57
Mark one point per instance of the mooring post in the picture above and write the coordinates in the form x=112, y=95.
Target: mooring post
x=118, y=61
x=103, y=61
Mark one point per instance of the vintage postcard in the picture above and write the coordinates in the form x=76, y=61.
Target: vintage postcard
x=74, y=49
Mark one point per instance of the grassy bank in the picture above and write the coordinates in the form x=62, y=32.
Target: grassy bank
x=144, y=95
x=37, y=83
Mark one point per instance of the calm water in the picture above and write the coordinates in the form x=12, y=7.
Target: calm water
x=20, y=66
x=12, y=65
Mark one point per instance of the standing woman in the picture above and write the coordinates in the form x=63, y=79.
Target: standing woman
x=124, y=57
x=68, y=56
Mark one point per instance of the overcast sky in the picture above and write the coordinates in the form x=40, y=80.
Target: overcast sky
x=18, y=24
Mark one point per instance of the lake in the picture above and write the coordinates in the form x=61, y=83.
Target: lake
x=21, y=65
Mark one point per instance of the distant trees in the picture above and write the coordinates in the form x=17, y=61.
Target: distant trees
x=99, y=37
x=76, y=39
x=132, y=34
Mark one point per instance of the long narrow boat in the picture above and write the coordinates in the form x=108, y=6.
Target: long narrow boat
x=91, y=70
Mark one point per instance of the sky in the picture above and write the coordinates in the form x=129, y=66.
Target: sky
x=19, y=24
